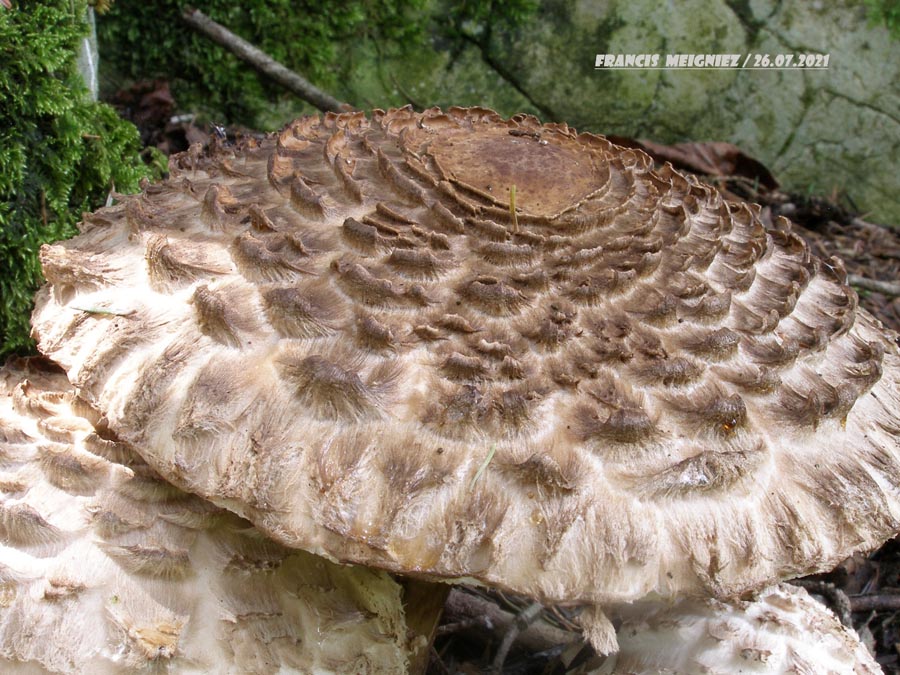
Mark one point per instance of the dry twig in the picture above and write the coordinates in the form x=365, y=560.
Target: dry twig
x=878, y=602
x=837, y=600
x=874, y=285
x=463, y=606
x=263, y=62
x=523, y=619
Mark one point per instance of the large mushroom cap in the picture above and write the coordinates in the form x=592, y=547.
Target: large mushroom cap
x=105, y=568
x=455, y=345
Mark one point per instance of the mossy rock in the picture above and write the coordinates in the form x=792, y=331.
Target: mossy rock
x=820, y=131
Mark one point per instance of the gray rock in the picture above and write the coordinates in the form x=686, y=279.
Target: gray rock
x=822, y=131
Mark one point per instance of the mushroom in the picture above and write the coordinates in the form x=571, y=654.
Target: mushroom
x=783, y=630
x=105, y=568
x=467, y=348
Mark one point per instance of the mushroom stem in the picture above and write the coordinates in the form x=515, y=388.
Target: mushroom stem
x=423, y=604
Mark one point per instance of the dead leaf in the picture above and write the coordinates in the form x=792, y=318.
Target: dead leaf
x=710, y=159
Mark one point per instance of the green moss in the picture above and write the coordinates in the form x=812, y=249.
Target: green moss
x=142, y=40
x=886, y=12
x=60, y=152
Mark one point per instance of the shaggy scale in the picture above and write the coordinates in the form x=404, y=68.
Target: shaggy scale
x=460, y=346
x=783, y=630
x=106, y=568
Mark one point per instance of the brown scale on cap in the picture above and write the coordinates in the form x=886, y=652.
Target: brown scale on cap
x=619, y=392
x=106, y=568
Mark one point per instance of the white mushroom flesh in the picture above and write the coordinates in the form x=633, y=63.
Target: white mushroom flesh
x=783, y=630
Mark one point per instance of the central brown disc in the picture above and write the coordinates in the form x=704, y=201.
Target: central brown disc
x=549, y=177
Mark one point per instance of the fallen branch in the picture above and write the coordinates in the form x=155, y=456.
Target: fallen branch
x=522, y=621
x=263, y=62
x=886, y=287
x=888, y=602
x=838, y=601
x=483, y=620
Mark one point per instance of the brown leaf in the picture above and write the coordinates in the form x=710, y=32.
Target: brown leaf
x=711, y=159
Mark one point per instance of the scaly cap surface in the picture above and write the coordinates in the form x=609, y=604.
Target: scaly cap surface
x=460, y=346
x=783, y=630
x=105, y=568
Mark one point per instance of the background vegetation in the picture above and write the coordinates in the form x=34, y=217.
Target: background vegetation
x=307, y=36
x=60, y=152
x=886, y=12
x=343, y=47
